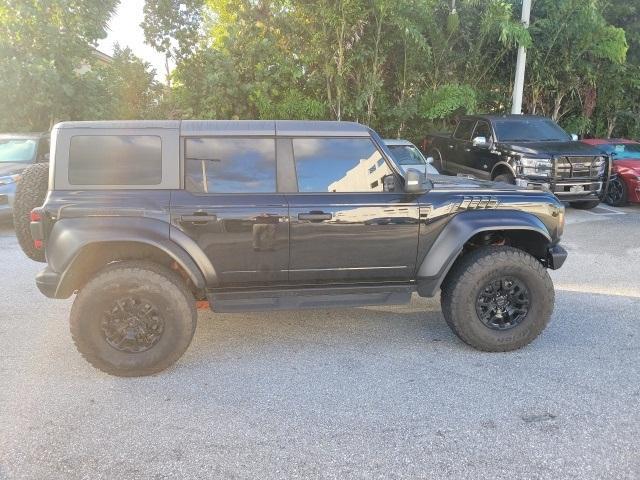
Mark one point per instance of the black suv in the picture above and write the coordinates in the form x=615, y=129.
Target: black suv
x=145, y=219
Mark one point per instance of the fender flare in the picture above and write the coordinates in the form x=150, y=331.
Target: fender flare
x=70, y=236
x=451, y=240
x=502, y=163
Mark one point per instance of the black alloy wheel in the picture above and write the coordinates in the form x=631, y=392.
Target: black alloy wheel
x=132, y=325
x=503, y=303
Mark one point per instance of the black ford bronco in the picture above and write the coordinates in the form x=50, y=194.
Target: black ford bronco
x=525, y=150
x=144, y=219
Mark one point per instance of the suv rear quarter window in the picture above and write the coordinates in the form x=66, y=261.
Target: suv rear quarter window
x=115, y=160
x=230, y=165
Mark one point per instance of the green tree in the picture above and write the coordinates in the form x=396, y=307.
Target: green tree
x=43, y=44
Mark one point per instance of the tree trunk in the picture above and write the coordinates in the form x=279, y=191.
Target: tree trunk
x=611, y=125
x=557, y=105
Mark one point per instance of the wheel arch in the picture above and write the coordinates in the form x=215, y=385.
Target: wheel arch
x=500, y=168
x=469, y=230
x=78, y=248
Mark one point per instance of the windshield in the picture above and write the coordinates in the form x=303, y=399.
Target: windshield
x=407, y=155
x=529, y=130
x=623, y=150
x=17, y=150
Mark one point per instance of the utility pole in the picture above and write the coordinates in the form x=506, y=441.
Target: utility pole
x=518, y=84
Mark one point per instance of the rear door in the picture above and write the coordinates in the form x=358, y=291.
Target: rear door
x=230, y=206
x=458, y=147
x=344, y=226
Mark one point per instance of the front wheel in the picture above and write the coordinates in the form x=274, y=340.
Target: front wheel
x=616, y=194
x=585, y=205
x=133, y=319
x=505, y=178
x=497, y=299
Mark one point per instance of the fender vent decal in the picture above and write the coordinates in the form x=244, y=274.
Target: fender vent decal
x=478, y=202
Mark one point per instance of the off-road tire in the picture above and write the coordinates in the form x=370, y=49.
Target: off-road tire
x=31, y=191
x=162, y=288
x=588, y=205
x=505, y=178
x=467, y=279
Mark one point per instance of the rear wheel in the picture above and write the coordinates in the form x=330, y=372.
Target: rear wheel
x=437, y=161
x=133, y=319
x=585, y=205
x=497, y=299
x=616, y=194
x=31, y=191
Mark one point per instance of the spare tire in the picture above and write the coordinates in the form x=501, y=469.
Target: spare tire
x=31, y=191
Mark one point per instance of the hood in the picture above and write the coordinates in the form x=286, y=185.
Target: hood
x=426, y=169
x=631, y=163
x=546, y=149
x=446, y=181
x=7, y=169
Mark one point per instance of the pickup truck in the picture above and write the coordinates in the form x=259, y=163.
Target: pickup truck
x=525, y=150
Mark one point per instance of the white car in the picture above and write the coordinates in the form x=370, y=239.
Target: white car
x=407, y=155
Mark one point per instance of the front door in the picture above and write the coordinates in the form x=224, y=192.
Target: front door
x=344, y=227
x=479, y=159
x=231, y=208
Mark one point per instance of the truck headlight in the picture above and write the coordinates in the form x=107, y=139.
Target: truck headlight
x=600, y=164
x=9, y=179
x=540, y=167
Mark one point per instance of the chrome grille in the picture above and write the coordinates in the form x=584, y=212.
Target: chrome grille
x=576, y=167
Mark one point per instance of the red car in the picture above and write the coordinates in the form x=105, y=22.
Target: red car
x=624, y=185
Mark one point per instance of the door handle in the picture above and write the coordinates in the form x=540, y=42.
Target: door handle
x=451, y=147
x=467, y=149
x=201, y=219
x=315, y=216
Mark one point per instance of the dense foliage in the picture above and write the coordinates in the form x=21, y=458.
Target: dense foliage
x=403, y=66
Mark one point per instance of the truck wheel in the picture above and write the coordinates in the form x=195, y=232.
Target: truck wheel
x=31, y=191
x=586, y=205
x=437, y=161
x=505, y=178
x=133, y=319
x=497, y=299
x=616, y=194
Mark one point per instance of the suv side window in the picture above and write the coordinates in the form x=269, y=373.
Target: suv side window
x=465, y=127
x=483, y=130
x=339, y=165
x=230, y=165
x=115, y=160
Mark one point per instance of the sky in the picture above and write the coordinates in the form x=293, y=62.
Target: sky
x=124, y=28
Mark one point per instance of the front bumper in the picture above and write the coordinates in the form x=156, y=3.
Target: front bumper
x=566, y=189
x=556, y=257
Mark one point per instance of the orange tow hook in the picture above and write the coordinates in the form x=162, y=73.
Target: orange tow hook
x=202, y=305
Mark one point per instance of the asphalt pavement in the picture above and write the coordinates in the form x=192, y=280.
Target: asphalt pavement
x=377, y=392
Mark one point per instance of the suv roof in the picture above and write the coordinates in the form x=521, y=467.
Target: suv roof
x=234, y=127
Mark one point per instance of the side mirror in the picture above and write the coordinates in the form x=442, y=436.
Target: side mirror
x=480, y=142
x=430, y=160
x=574, y=137
x=415, y=181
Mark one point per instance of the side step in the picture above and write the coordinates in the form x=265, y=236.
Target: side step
x=312, y=297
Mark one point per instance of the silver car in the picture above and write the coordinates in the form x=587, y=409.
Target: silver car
x=407, y=155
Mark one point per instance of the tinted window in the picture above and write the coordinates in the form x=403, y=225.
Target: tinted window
x=483, y=130
x=338, y=165
x=407, y=155
x=465, y=127
x=529, y=130
x=115, y=160
x=230, y=165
